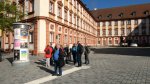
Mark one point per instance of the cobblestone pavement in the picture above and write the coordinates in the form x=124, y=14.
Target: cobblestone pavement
x=108, y=66
x=23, y=73
x=113, y=66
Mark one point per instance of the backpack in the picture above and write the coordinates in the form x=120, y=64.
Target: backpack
x=47, y=51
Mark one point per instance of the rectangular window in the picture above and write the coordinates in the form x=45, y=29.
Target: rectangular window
x=116, y=23
x=27, y=7
x=110, y=41
x=128, y=22
x=65, y=15
x=31, y=5
x=59, y=11
x=122, y=31
x=70, y=40
x=116, y=41
x=74, y=3
x=78, y=6
x=51, y=37
x=98, y=42
x=109, y=32
x=74, y=19
x=122, y=22
x=70, y=17
x=75, y=40
x=60, y=29
x=51, y=7
x=116, y=31
x=128, y=31
x=66, y=39
x=104, y=32
x=104, y=23
x=109, y=23
x=104, y=42
x=59, y=38
x=135, y=22
x=77, y=21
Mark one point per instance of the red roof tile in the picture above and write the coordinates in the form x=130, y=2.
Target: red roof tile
x=126, y=11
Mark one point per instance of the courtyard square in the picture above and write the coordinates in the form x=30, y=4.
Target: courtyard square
x=115, y=65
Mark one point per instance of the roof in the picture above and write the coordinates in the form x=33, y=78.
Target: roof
x=127, y=12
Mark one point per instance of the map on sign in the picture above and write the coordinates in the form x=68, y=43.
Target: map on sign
x=23, y=54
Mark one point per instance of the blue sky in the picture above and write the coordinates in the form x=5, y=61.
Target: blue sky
x=91, y=4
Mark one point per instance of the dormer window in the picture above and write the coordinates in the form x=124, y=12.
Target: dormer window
x=109, y=16
x=121, y=14
x=133, y=13
x=146, y=12
x=99, y=17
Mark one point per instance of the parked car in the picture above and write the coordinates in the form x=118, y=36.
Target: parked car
x=134, y=45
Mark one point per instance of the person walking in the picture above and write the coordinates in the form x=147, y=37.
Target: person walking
x=79, y=53
x=48, y=54
x=58, y=60
x=74, y=53
x=86, y=53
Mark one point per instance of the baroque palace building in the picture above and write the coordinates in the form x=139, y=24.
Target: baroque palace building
x=58, y=21
x=130, y=22
x=68, y=21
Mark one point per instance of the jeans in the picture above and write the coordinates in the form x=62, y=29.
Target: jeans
x=79, y=59
x=58, y=70
x=87, y=59
x=47, y=62
x=74, y=58
x=51, y=61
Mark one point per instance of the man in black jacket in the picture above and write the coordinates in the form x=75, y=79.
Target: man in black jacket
x=86, y=53
x=79, y=53
x=67, y=53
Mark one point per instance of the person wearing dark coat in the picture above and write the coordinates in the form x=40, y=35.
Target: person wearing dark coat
x=74, y=53
x=86, y=53
x=79, y=54
x=58, y=60
x=67, y=54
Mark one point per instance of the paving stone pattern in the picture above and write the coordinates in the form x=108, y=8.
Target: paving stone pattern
x=23, y=73
x=108, y=66
x=112, y=68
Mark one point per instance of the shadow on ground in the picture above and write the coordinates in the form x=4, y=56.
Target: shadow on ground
x=40, y=63
x=123, y=51
x=46, y=70
x=10, y=59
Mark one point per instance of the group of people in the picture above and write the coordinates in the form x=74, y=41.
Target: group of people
x=59, y=56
